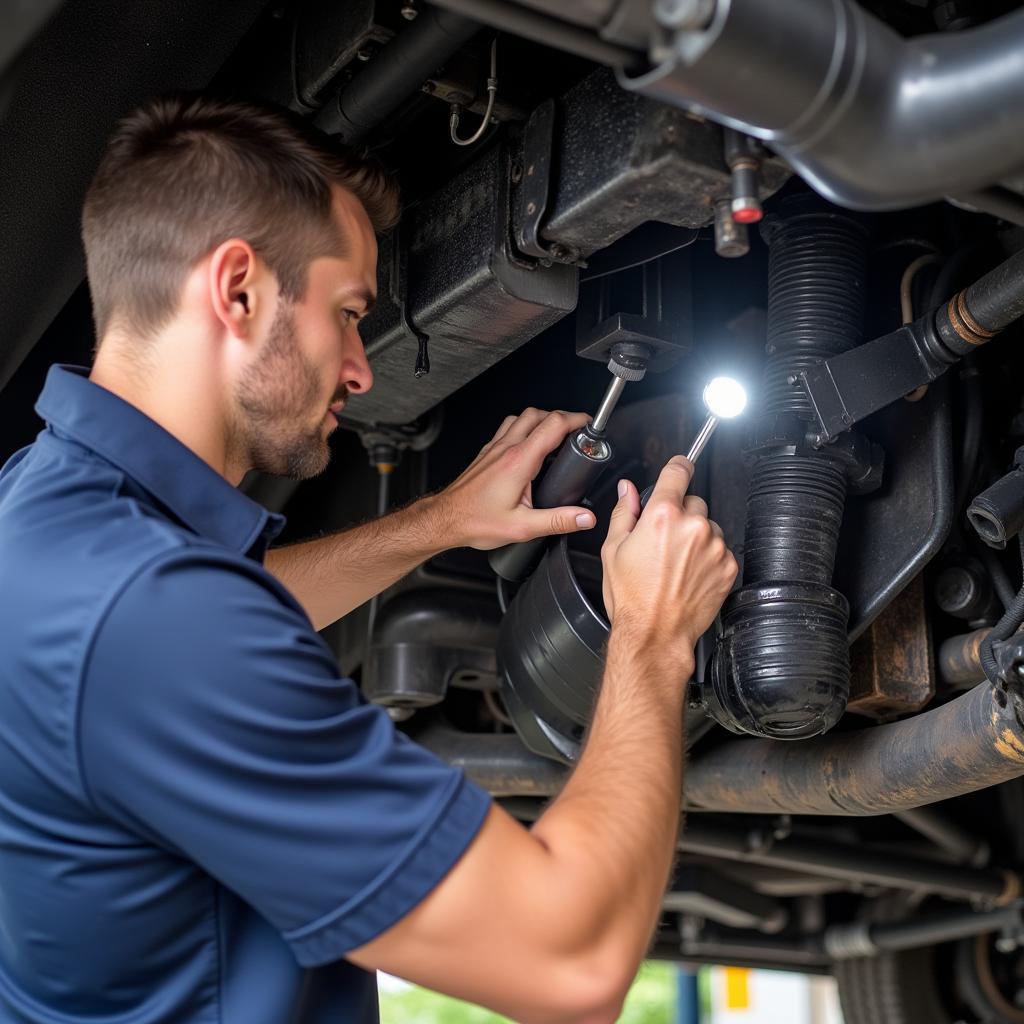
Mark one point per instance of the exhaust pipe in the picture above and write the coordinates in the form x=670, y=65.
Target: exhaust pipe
x=968, y=744
x=871, y=120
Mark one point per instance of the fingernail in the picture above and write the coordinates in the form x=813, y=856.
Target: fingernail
x=584, y=519
x=623, y=487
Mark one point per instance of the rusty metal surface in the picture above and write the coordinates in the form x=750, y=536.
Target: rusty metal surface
x=968, y=744
x=959, y=661
x=972, y=742
x=498, y=763
x=892, y=664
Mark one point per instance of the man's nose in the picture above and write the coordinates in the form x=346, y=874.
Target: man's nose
x=356, y=374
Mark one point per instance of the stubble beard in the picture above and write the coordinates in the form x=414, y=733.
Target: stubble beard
x=277, y=397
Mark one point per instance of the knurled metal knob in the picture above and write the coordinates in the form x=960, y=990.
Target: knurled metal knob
x=630, y=373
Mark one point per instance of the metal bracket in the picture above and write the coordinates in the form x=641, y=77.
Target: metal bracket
x=662, y=325
x=533, y=183
x=848, y=387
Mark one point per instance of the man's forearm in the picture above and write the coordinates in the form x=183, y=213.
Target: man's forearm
x=333, y=575
x=616, y=822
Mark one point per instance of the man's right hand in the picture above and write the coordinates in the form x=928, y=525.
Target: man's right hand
x=558, y=937
x=667, y=570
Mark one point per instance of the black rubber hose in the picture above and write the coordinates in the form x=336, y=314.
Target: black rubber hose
x=395, y=73
x=1011, y=621
x=997, y=574
x=781, y=668
x=977, y=314
x=543, y=28
x=997, y=299
x=816, y=300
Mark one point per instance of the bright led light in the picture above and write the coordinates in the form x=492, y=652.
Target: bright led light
x=725, y=397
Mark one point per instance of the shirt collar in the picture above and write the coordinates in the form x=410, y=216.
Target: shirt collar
x=125, y=436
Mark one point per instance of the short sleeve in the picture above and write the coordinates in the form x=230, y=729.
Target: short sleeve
x=212, y=722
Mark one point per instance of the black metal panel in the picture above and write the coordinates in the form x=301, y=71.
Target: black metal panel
x=467, y=292
x=890, y=535
x=619, y=161
x=623, y=160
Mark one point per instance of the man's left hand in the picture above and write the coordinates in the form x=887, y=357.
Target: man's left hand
x=490, y=503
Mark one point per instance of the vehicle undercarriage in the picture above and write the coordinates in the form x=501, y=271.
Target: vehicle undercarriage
x=824, y=200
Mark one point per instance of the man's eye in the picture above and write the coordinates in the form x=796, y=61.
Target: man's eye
x=348, y=316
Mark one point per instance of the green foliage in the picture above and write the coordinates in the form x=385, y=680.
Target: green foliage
x=651, y=1000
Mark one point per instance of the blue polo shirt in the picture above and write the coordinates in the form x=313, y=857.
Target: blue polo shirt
x=198, y=817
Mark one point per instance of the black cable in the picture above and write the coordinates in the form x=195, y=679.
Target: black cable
x=1003, y=629
x=597, y=274
x=999, y=577
x=972, y=436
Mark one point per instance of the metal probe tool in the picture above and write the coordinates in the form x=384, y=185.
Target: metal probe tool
x=724, y=398
x=579, y=462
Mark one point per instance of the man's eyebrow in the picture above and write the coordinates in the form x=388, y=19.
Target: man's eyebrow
x=368, y=298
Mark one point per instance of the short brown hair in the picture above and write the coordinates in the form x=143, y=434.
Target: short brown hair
x=184, y=173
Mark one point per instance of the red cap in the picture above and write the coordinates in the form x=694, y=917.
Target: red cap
x=747, y=214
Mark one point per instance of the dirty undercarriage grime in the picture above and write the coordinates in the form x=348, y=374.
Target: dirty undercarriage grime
x=833, y=213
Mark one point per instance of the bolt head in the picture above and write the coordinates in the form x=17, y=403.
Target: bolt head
x=409, y=12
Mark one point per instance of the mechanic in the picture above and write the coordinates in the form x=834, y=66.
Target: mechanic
x=199, y=819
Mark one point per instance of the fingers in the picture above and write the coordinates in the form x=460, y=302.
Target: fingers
x=672, y=481
x=526, y=423
x=624, y=515
x=523, y=424
x=548, y=522
x=549, y=433
x=716, y=529
x=502, y=430
x=695, y=505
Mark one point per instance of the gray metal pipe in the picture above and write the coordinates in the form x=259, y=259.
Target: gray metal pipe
x=871, y=120
x=395, y=73
x=959, y=661
x=972, y=742
x=849, y=863
x=853, y=940
x=947, y=835
x=498, y=763
x=559, y=32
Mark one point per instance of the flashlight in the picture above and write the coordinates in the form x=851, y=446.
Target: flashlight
x=724, y=398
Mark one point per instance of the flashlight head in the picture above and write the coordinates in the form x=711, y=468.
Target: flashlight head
x=725, y=397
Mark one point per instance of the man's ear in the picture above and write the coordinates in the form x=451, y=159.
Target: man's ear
x=233, y=274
